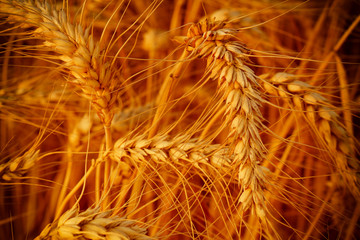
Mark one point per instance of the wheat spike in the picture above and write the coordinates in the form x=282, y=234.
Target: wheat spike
x=226, y=62
x=164, y=150
x=76, y=48
x=92, y=224
x=321, y=115
x=17, y=167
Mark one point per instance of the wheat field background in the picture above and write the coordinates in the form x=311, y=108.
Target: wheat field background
x=184, y=119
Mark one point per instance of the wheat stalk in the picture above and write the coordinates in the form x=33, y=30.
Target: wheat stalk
x=165, y=150
x=92, y=224
x=322, y=116
x=81, y=56
x=196, y=167
x=159, y=166
x=18, y=167
x=237, y=82
x=76, y=48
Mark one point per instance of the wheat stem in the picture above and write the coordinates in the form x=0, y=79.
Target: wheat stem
x=353, y=222
x=165, y=91
x=320, y=212
x=336, y=48
x=345, y=96
x=74, y=190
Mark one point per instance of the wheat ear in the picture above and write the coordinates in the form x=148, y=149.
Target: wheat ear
x=323, y=118
x=17, y=167
x=85, y=63
x=92, y=224
x=181, y=154
x=237, y=82
x=75, y=47
x=164, y=150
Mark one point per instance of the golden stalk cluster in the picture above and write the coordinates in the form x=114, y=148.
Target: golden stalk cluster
x=179, y=120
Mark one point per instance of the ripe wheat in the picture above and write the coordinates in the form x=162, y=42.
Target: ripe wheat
x=80, y=53
x=92, y=224
x=302, y=97
x=226, y=62
x=227, y=135
x=17, y=167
